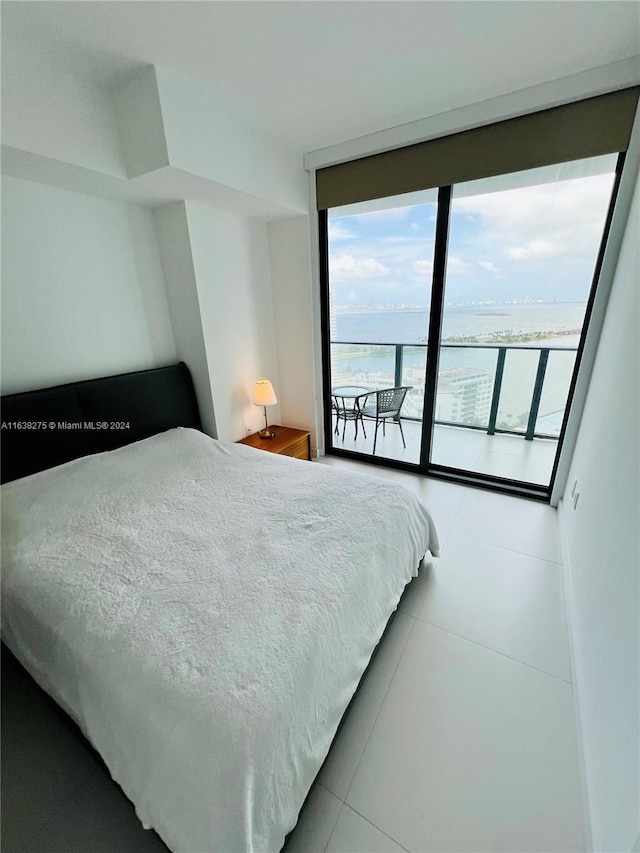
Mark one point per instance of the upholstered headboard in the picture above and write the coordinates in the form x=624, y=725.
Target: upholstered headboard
x=44, y=428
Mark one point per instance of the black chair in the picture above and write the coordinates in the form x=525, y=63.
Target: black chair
x=381, y=405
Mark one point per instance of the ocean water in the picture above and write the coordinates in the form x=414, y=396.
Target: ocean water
x=411, y=327
x=376, y=369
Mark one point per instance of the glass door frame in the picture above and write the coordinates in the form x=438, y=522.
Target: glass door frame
x=425, y=466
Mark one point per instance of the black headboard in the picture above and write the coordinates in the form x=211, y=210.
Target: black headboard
x=41, y=429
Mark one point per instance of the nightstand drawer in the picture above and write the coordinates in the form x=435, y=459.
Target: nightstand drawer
x=287, y=442
x=299, y=448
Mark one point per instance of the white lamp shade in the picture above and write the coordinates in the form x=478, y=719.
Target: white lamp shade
x=263, y=393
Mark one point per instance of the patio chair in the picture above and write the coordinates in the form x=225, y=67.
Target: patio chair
x=381, y=405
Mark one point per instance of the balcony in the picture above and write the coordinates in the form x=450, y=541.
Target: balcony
x=499, y=407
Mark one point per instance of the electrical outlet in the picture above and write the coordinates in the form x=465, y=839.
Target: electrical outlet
x=248, y=430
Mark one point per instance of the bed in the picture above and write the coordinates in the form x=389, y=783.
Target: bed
x=202, y=610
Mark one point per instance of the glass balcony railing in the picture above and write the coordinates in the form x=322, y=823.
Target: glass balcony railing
x=520, y=389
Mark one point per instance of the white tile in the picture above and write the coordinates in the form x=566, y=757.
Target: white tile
x=441, y=498
x=528, y=469
x=353, y=834
x=465, y=449
x=471, y=751
x=507, y=456
x=345, y=464
x=457, y=437
x=316, y=822
x=464, y=458
x=527, y=526
x=346, y=751
x=388, y=446
x=509, y=602
x=539, y=448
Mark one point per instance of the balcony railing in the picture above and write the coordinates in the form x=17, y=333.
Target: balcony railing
x=513, y=388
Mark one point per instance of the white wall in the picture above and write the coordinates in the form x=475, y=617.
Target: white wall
x=206, y=138
x=231, y=264
x=290, y=263
x=55, y=110
x=82, y=288
x=174, y=240
x=139, y=113
x=603, y=553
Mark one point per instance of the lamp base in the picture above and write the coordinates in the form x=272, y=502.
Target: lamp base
x=266, y=433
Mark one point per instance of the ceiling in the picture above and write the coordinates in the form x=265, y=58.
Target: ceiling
x=318, y=72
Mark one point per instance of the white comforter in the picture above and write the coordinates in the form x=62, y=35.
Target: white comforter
x=204, y=611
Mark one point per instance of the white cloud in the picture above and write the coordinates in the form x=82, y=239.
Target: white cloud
x=489, y=266
x=337, y=231
x=392, y=241
x=423, y=267
x=544, y=221
x=414, y=226
x=345, y=267
x=457, y=265
x=534, y=250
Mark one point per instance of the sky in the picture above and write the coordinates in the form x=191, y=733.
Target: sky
x=530, y=243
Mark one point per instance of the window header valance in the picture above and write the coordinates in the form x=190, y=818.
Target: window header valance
x=588, y=128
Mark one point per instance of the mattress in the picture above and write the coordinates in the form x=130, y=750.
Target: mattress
x=204, y=612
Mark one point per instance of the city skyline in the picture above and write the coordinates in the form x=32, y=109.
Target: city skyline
x=425, y=306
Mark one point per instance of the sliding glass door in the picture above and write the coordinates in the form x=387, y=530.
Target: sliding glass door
x=475, y=299
x=520, y=265
x=380, y=265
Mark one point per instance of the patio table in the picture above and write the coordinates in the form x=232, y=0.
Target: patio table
x=347, y=408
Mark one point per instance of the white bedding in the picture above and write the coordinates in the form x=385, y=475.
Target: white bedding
x=204, y=611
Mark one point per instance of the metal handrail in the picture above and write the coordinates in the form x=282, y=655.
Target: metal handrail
x=497, y=379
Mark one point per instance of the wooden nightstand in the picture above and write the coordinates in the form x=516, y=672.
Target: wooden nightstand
x=288, y=442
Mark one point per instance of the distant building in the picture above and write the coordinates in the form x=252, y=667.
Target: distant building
x=464, y=396
x=333, y=320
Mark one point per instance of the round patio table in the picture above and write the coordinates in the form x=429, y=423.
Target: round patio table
x=347, y=408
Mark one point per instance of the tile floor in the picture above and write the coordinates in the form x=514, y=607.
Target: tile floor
x=461, y=737
x=500, y=455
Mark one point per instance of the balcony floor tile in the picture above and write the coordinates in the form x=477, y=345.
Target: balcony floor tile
x=508, y=456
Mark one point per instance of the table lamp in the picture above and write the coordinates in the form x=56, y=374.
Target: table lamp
x=264, y=395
